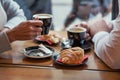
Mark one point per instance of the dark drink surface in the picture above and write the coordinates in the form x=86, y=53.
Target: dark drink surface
x=47, y=21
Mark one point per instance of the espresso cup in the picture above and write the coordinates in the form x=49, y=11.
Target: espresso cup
x=47, y=21
x=76, y=35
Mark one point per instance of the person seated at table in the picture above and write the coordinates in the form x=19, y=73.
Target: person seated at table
x=106, y=38
x=40, y=6
x=87, y=9
x=13, y=25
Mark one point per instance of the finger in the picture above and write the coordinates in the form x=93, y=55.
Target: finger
x=29, y=35
x=36, y=29
x=36, y=18
x=32, y=35
x=84, y=24
x=35, y=22
x=87, y=36
x=36, y=33
x=39, y=31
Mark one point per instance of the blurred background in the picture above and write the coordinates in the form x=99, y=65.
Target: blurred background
x=61, y=9
x=68, y=12
x=94, y=9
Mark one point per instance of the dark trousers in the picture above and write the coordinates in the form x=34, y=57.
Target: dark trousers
x=115, y=9
x=26, y=10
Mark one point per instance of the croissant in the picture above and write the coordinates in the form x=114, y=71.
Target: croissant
x=51, y=37
x=72, y=55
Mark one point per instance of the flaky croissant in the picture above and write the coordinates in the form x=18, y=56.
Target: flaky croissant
x=51, y=37
x=72, y=55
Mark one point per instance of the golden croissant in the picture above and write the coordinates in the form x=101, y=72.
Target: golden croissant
x=52, y=37
x=72, y=55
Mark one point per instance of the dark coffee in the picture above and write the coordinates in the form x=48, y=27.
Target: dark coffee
x=76, y=30
x=47, y=21
x=76, y=36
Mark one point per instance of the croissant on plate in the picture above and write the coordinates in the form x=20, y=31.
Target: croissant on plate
x=51, y=37
x=72, y=55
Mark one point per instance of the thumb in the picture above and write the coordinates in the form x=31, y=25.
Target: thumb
x=85, y=25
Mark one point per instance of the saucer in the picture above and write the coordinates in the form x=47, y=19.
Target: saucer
x=40, y=40
x=35, y=52
x=86, y=46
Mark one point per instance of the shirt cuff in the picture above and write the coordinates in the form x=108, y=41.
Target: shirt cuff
x=4, y=42
x=99, y=35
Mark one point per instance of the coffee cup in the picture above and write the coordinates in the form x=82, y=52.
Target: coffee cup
x=76, y=36
x=47, y=22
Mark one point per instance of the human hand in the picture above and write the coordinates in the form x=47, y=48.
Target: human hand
x=25, y=30
x=95, y=26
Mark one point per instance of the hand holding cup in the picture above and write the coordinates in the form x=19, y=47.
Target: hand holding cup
x=24, y=31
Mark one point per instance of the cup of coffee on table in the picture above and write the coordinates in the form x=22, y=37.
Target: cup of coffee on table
x=76, y=35
x=47, y=21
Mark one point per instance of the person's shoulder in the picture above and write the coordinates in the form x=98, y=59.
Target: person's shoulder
x=8, y=3
x=5, y=1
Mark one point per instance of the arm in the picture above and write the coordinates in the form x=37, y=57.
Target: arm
x=26, y=30
x=107, y=45
x=15, y=15
x=71, y=17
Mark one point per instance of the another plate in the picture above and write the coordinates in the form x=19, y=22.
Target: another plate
x=34, y=52
x=86, y=46
x=40, y=40
x=56, y=57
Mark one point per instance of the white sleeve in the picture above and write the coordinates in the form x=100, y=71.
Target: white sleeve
x=107, y=45
x=15, y=15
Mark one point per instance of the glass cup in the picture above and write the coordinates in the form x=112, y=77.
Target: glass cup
x=47, y=22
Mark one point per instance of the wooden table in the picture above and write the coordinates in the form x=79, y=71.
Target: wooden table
x=15, y=73
x=14, y=60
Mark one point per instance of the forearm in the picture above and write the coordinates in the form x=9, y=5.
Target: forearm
x=107, y=46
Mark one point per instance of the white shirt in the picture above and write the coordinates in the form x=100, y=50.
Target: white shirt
x=10, y=16
x=107, y=45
